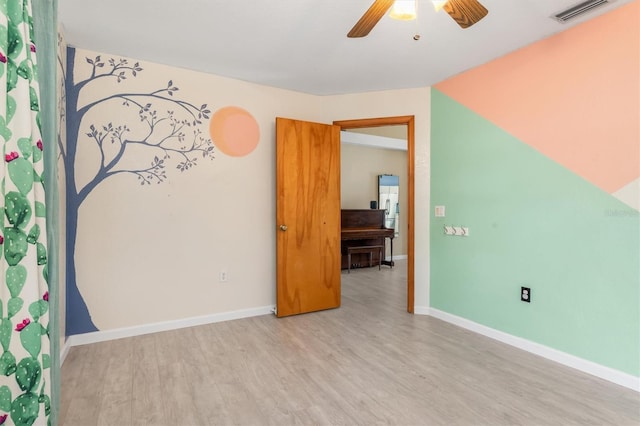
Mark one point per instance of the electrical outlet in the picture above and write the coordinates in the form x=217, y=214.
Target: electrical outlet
x=525, y=294
x=224, y=276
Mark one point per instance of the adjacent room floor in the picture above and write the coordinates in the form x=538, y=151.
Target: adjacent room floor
x=368, y=362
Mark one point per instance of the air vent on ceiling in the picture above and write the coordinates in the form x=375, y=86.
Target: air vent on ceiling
x=579, y=9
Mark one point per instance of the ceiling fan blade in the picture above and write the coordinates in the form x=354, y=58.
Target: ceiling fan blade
x=370, y=18
x=465, y=12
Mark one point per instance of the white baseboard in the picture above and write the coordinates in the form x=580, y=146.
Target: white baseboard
x=589, y=367
x=421, y=310
x=397, y=257
x=102, y=336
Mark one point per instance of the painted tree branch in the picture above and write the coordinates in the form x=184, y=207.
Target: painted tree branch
x=162, y=135
x=148, y=116
x=198, y=145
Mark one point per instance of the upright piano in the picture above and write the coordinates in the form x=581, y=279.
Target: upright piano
x=364, y=227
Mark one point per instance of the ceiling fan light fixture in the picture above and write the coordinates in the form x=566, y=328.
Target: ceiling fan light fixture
x=404, y=10
x=439, y=4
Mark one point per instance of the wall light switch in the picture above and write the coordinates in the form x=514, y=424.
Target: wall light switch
x=439, y=211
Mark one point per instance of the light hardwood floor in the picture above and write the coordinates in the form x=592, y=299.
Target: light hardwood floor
x=368, y=362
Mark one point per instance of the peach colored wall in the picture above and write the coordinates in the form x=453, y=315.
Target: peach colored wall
x=574, y=96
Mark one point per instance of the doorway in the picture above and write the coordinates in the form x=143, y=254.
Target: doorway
x=408, y=122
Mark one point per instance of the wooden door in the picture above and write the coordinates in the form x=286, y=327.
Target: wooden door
x=308, y=216
x=409, y=121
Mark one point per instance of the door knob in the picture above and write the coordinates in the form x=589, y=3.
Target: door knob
x=283, y=227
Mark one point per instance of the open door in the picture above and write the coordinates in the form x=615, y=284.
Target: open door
x=308, y=216
x=409, y=121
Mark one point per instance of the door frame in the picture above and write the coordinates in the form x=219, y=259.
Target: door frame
x=409, y=121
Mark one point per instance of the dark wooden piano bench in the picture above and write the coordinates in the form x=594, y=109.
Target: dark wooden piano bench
x=364, y=249
x=364, y=228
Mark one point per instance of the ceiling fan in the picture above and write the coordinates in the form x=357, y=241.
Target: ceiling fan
x=464, y=12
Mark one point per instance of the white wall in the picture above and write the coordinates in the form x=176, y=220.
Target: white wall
x=149, y=254
x=360, y=167
x=392, y=103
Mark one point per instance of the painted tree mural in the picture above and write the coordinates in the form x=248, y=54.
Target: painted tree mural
x=167, y=129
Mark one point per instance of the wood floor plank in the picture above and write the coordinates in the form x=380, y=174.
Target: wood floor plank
x=116, y=402
x=83, y=404
x=146, y=395
x=175, y=362
x=367, y=362
x=72, y=371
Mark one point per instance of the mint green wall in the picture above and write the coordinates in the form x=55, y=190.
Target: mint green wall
x=532, y=223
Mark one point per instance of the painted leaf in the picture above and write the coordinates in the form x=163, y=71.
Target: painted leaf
x=15, y=245
x=29, y=21
x=41, y=210
x=33, y=99
x=38, y=308
x=24, y=410
x=7, y=365
x=14, y=49
x=30, y=338
x=46, y=361
x=37, y=155
x=12, y=76
x=28, y=374
x=21, y=174
x=15, y=277
x=5, y=398
x=11, y=108
x=24, y=70
x=15, y=11
x=14, y=306
x=42, y=253
x=17, y=209
x=5, y=132
x=34, y=234
x=6, y=328
x=44, y=399
x=3, y=29
x=25, y=147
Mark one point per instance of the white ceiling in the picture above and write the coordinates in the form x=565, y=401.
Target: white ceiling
x=302, y=45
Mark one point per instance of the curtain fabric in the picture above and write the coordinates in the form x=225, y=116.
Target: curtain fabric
x=45, y=25
x=25, y=362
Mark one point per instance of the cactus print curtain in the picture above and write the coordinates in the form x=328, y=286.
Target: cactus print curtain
x=25, y=364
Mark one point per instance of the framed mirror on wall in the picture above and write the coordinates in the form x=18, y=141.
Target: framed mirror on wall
x=388, y=190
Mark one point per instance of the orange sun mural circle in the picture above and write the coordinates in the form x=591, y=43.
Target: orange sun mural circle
x=234, y=131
